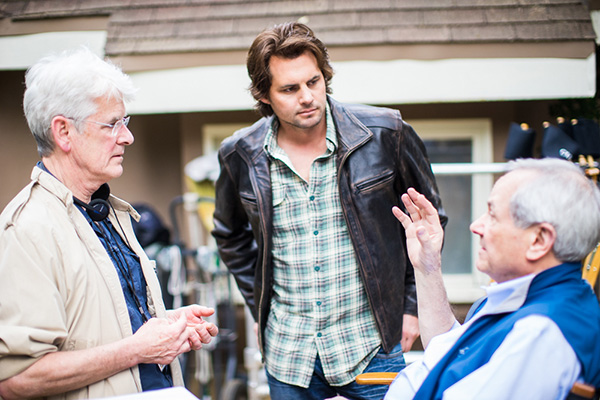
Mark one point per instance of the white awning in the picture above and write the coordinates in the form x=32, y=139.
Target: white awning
x=374, y=82
x=20, y=52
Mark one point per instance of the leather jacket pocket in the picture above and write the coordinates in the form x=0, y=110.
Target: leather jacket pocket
x=248, y=199
x=250, y=205
x=386, y=178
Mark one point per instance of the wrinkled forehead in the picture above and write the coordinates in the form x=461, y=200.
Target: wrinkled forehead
x=509, y=183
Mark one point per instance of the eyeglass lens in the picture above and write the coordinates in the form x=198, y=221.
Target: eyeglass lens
x=119, y=124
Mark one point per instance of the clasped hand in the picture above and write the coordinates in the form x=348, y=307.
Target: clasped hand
x=184, y=329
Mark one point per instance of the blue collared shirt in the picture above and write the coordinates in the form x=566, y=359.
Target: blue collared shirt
x=129, y=269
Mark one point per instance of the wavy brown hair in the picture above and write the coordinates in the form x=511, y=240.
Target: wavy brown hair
x=287, y=40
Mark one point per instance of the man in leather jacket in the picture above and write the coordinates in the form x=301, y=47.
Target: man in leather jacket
x=302, y=221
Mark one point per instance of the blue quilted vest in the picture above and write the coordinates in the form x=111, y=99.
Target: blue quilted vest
x=558, y=293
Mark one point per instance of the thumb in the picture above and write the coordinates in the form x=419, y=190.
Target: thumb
x=422, y=234
x=180, y=322
x=202, y=311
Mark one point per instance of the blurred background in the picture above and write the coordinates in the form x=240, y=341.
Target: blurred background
x=462, y=72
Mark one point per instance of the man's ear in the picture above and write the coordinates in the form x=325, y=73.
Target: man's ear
x=62, y=129
x=543, y=238
x=265, y=100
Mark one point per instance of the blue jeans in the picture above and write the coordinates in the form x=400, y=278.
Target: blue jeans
x=319, y=389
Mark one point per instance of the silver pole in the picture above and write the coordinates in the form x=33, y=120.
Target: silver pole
x=467, y=168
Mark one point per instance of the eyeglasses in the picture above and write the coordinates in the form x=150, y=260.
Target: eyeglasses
x=116, y=127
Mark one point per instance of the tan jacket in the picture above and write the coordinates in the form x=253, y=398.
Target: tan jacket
x=59, y=290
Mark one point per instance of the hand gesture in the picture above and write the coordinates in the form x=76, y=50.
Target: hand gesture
x=161, y=340
x=200, y=331
x=424, y=233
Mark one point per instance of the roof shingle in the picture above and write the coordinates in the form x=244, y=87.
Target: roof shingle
x=145, y=27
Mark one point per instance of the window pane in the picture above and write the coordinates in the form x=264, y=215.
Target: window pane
x=455, y=191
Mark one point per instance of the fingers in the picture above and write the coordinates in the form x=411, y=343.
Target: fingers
x=417, y=203
x=413, y=212
x=406, y=344
x=410, y=331
x=417, y=206
x=410, y=199
x=194, y=339
x=212, y=329
x=206, y=331
x=200, y=333
x=195, y=309
x=256, y=334
x=200, y=311
x=193, y=313
x=180, y=335
x=160, y=340
x=400, y=216
x=176, y=330
x=188, y=326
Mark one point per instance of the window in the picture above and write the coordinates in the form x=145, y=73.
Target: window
x=464, y=196
x=214, y=134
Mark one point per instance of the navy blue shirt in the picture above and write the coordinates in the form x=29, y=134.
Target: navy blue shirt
x=129, y=269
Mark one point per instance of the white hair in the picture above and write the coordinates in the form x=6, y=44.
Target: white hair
x=68, y=84
x=561, y=195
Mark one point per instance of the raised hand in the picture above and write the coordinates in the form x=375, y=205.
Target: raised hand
x=424, y=233
x=424, y=239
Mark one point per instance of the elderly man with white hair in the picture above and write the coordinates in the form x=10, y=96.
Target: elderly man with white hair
x=81, y=312
x=537, y=332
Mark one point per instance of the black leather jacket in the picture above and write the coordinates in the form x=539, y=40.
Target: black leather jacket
x=379, y=156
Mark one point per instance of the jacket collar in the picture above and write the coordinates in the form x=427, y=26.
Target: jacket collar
x=510, y=296
x=351, y=132
x=52, y=185
x=58, y=189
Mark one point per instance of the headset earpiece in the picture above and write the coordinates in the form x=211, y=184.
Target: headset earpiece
x=98, y=209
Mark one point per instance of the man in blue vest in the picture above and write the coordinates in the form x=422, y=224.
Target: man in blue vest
x=537, y=331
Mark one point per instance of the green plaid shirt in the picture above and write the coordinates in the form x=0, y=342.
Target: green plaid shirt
x=319, y=305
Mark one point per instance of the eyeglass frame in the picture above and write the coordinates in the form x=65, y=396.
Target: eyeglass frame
x=116, y=127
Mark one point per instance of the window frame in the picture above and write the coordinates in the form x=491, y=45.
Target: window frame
x=465, y=288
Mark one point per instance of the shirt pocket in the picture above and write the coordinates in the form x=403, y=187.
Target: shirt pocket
x=282, y=226
x=279, y=194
